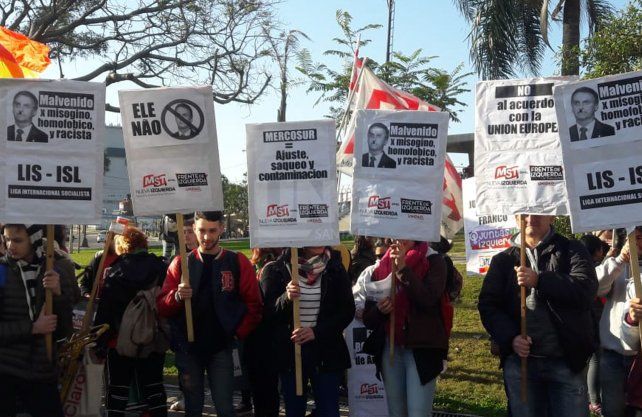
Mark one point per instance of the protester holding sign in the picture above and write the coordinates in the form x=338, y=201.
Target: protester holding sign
x=28, y=376
x=227, y=305
x=421, y=338
x=560, y=279
x=135, y=270
x=327, y=307
x=617, y=356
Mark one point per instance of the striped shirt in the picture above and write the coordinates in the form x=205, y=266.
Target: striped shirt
x=310, y=302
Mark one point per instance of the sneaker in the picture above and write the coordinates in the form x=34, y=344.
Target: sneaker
x=178, y=405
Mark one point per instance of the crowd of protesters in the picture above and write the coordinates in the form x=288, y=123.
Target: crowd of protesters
x=582, y=313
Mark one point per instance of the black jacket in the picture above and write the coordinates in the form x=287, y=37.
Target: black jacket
x=328, y=351
x=568, y=285
x=600, y=130
x=384, y=162
x=129, y=274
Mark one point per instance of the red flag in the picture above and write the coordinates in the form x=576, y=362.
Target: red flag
x=20, y=57
x=372, y=93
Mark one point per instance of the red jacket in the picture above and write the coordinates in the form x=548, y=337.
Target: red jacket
x=248, y=289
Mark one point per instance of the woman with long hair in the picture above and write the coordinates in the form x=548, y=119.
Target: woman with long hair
x=135, y=269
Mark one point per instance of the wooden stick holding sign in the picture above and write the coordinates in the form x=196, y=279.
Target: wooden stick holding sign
x=393, y=296
x=115, y=228
x=49, y=265
x=635, y=270
x=522, y=300
x=180, y=222
x=297, y=322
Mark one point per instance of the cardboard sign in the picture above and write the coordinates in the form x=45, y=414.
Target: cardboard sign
x=51, y=156
x=292, y=184
x=399, y=174
x=172, y=150
x=518, y=163
x=601, y=135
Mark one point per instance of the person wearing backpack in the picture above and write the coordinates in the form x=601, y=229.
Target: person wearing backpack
x=135, y=343
x=226, y=304
x=421, y=335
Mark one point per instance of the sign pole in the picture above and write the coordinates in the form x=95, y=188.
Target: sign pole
x=180, y=221
x=297, y=322
x=49, y=265
x=522, y=296
x=89, y=311
x=635, y=270
x=393, y=296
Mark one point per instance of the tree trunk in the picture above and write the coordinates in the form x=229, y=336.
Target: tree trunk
x=571, y=38
x=284, y=98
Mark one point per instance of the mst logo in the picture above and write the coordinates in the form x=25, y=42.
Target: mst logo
x=506, y=172
x=152, y=180
x=369, y=389
x=274, y=210
x=381, y=203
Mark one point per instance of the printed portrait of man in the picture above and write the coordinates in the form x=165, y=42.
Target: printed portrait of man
x=183, y=115
x=377, y=139
x=584, y=103
x=25, y=107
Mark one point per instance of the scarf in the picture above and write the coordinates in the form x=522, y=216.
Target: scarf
x=311, y=269
x=417, y=261
x=29, y=270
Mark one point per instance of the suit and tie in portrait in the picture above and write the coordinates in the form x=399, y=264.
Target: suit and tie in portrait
x=584, y=102
x=25, y=107
x=377, y=139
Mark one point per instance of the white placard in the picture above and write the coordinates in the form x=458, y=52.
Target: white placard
x=486, y=235
x=366, y=394
x=398, y=193
x=292, y=184
x=51, y=156
x=518, y=162
x=601, y=135
x=172, y=150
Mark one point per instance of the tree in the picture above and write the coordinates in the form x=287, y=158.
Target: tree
x=153, y=43
x=511, y=35
x=617, y=46
x=411, y=73
x=235, y=201
x=284, y=46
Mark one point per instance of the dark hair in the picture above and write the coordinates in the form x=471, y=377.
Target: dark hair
x=13, y=225
x=27, y=94
x=592, y=243
x=586, y=90
x=381, y=126
x=210, y=216
x=443, y=246
x=185, y=106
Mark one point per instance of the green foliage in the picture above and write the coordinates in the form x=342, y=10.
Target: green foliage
x=510, y=36
x=617, y=46
x=411, y=73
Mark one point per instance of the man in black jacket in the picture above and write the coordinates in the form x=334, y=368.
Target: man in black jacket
x=561, y=284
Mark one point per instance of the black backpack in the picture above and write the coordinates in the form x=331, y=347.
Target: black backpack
x=454, y=280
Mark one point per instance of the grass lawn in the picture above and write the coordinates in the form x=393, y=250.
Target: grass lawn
x=472, y=384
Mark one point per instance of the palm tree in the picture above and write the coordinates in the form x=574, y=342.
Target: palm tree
x=511, y=35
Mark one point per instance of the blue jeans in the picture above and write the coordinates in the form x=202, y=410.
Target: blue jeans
x=405, y=395
x=325, y=388
x=614, y=370
x=553, y=389
x=220, y=373
x=593, y=378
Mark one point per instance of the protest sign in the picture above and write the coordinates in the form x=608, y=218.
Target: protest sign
x=601, y=136
x=172, y=150
x=399, y=174
x=484, y=235
x=51, y=157
x=292, y=184
x=518, y=164
x=366, y=394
